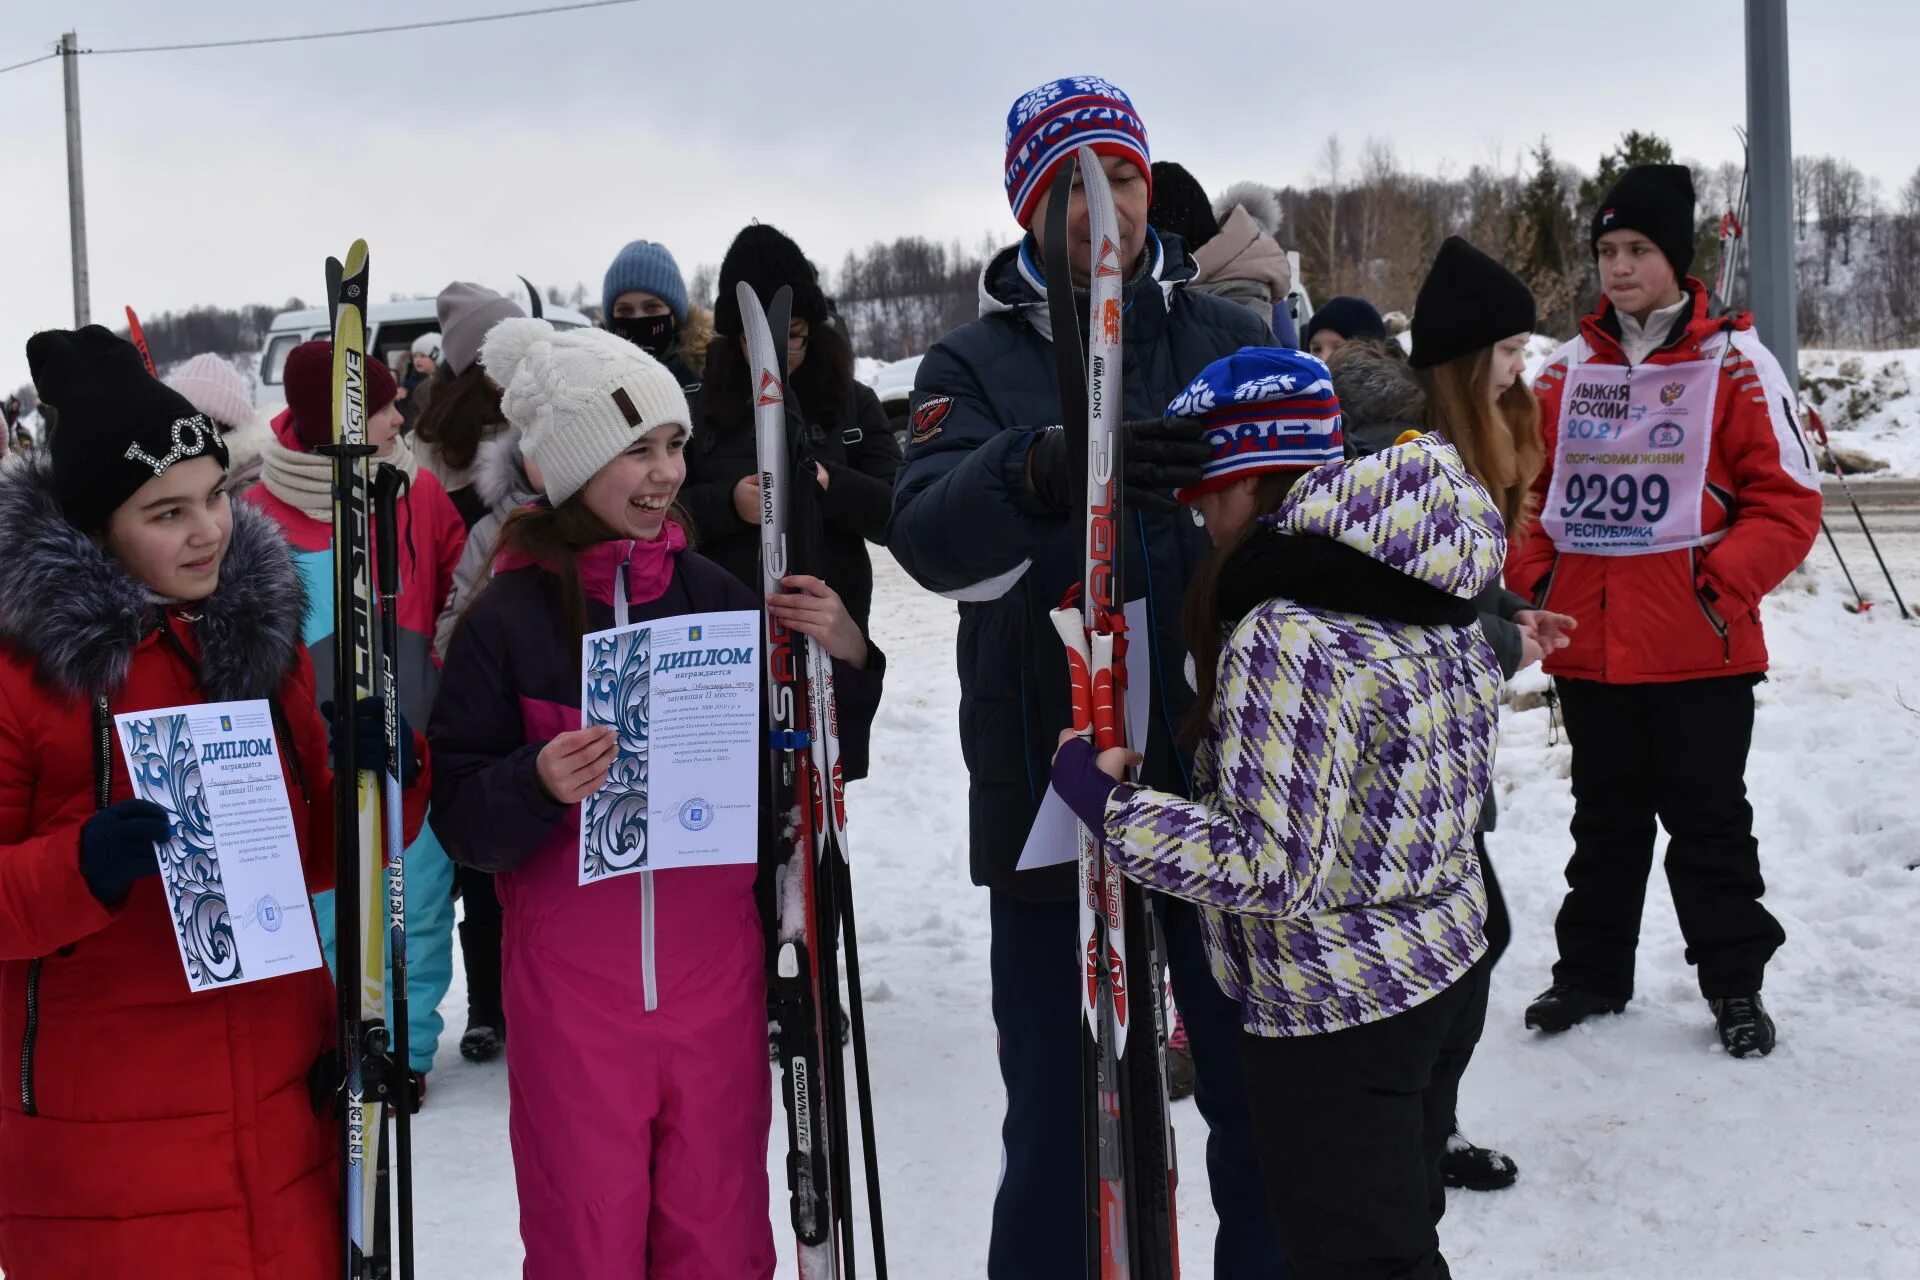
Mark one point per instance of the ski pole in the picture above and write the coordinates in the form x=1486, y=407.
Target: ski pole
x=139, y=337
x=1819, y=430
x=1860, y=603
x=863, y=1075
x=389, y=483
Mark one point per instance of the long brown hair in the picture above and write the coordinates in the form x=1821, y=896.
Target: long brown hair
x=1205, y=628
x=1501, y=445
x=554, y=537
x=462, y=411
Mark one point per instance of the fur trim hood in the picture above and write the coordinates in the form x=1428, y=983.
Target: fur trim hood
x=500, y=474
x=1260, y=201
x=1242, y=251
x=69, y=606
x=696, y=335
x=1380, y=398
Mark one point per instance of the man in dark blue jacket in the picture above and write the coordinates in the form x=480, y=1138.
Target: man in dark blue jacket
x=984, y=512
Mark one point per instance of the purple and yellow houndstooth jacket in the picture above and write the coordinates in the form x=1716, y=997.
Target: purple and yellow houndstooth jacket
x=1342, y=769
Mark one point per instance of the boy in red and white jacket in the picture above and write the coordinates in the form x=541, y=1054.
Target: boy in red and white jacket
x=1678, y=492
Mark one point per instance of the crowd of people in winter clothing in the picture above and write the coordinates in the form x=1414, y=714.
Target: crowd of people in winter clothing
x=1344, y=543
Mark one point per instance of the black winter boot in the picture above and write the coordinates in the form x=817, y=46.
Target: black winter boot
x=486, y=1032
x=1475, y=1168
x=1558, y=1008
x=1745, y=1028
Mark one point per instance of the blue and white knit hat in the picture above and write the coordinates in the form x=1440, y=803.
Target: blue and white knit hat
x=1262, y=409
x=1047, y=124
x=647, y=265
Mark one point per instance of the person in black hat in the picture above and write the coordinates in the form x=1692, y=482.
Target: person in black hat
x=1642, y=239
x=847, y=437
x=1677, y=494
x=1341, y=320
x=131, y=584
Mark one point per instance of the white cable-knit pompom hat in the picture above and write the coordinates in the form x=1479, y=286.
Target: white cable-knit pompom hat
x=580, y=397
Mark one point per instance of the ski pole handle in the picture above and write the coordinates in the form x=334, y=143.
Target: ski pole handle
x=1106, y=719
x=1073, y=634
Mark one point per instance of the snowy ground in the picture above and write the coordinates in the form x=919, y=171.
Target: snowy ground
x=1644, y=1150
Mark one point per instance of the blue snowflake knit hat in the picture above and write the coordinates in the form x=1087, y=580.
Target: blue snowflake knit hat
x=1047, y=124
x=1262, y=409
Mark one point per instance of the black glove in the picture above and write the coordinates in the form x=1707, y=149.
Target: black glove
x=117, y=848
x=1156, y=459
x=370, y=738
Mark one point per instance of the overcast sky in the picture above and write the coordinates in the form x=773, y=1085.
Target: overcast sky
x=540, y=146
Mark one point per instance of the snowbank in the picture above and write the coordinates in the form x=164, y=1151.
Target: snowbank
x=1867, y=401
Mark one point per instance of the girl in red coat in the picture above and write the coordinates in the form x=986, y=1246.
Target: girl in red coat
x=145, y=1129
x=1677, y=493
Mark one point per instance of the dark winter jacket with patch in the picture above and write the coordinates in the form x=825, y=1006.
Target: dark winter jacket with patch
x=147, y=1129
x=966, y=525
x=851, y=439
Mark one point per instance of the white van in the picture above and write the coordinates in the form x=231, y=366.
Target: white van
x=391, y=329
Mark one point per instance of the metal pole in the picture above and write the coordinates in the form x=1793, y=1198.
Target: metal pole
x=1771, y=283
x=76, y=188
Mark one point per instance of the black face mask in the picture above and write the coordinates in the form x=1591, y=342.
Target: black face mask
x=652, y=334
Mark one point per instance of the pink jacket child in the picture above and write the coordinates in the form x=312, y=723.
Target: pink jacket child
x=638, y=1076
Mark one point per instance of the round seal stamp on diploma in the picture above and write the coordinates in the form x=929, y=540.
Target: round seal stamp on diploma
x=270, y=913
x=696, y=814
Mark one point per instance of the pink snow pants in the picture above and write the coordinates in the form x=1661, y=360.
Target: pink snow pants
x=639, y=1135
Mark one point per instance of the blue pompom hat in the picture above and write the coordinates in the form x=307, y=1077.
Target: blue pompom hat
x=1048, y=124
x=646, y=265
x=1262, y=409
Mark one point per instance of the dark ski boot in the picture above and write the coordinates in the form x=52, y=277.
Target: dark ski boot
x=482, y=1042
x=1745, y=1028
x=1558, y=1007
x=1474, y=1168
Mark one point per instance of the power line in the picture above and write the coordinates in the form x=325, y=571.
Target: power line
x=29, y=62
x=336, y=35
x=366, y=31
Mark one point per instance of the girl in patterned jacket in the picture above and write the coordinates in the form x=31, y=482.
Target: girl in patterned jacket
x=1344, y=741
x=637, y=1068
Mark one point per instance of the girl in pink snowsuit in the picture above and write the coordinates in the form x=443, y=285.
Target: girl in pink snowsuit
x=637, y=1062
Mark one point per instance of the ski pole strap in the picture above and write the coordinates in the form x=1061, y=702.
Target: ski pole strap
x=1816, y=428
x=789, y=739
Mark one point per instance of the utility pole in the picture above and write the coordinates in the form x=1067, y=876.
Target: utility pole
x=76, y=187
x=1772, y=282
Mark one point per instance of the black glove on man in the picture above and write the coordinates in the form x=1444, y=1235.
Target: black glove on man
x=370, y=738
x=117, y=848
x=1156, y=459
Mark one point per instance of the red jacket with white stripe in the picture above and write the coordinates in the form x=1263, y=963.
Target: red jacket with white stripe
x=1691, y=613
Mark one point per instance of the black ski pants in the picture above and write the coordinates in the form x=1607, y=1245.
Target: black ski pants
x=1678, y=753
x=1350, y=1126
x=1039, y=1213
x=480, y=946
x=1499, y=928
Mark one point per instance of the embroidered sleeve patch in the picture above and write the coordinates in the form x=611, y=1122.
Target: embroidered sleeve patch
x=928, y=418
